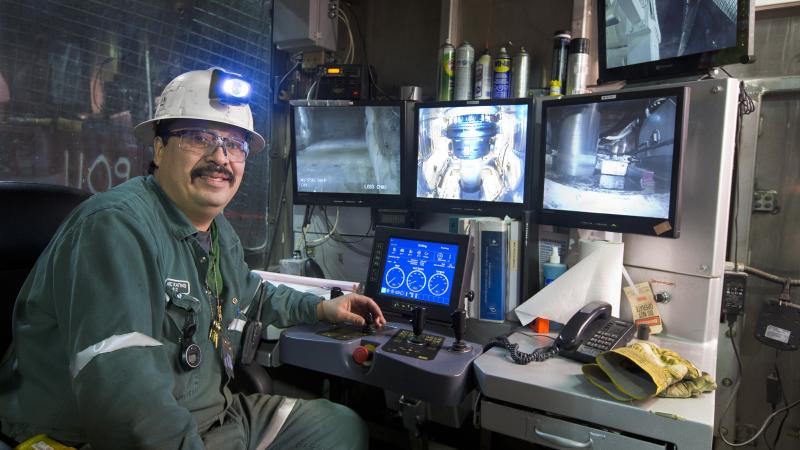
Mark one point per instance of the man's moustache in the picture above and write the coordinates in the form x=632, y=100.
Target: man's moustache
x=212, y=171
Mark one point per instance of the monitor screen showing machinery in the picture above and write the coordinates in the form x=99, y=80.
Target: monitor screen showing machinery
x=347, y=154
x=612, y=161
x=652, y=38
x=418, y=268
x=471, y=156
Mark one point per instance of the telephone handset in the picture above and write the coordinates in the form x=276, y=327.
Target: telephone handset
x=591, y=331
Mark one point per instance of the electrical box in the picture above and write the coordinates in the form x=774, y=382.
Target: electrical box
x=734, y=285
x=301, y=25
x=343, y=82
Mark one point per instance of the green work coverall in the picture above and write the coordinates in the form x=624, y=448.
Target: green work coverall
x=98, y=327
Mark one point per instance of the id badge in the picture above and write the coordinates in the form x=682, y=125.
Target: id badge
x=227, y=355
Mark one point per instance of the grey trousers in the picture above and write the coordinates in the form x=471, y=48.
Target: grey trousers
x=312, y=424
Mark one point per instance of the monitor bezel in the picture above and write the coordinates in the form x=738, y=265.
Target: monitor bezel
x=694, y=64
x=402, y=306
x=472, y=207
x=648, y=226
x=399, y=201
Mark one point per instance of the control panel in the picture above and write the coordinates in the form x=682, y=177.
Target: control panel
x=426, y=366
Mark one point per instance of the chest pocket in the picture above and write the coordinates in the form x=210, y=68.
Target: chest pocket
x=177, y=311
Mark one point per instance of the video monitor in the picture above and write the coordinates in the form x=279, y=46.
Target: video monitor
x=349, y=154
x=641, y=39
x=612, y=161
x=473, y=156
x=412, y=268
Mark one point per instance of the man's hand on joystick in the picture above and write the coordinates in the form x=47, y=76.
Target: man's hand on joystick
x=350, y=308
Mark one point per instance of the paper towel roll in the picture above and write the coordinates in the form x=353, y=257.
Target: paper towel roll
x=587, y=246
x=596, y=277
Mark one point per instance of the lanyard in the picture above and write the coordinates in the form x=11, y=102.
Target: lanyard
x=214, y=275
x=214, y=281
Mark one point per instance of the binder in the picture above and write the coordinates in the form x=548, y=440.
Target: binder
x=496, y=278
x=493, y=263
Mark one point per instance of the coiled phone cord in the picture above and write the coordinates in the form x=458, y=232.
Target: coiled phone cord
x=538, y=355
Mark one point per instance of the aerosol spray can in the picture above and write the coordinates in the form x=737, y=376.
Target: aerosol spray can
x=558, y=71
x=446, y=59
x=520, y=69
x=465, y=59
x=502, y=75
x=578, y=67
x=483, y=76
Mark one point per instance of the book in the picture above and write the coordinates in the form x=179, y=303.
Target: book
x=499, y=257
x=492, y=281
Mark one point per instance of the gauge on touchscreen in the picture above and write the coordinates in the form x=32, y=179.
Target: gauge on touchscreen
x=394, y=277
x=416, y=280
x=438, y=284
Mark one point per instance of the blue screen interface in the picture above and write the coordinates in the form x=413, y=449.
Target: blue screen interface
x=419, y=270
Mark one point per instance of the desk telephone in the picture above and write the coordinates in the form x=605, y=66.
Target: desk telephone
x=591, y=331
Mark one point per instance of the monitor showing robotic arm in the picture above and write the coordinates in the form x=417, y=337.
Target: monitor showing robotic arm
x=472, y=156
x=611, y=161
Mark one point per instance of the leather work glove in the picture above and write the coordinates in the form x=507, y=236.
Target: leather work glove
x=690, y=388
x=643, y=370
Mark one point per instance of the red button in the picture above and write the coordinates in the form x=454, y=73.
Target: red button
x=361, y=354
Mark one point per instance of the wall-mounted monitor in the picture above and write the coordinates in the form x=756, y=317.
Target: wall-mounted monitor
x=473, y=157
x=612, y=161
x=643, y=39
x=411, y=268
x=349, y=153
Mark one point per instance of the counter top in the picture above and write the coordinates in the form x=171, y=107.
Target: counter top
x=558, y=386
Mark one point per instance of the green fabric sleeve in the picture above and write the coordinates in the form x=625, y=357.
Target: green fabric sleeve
x=284, y=306
x=111, y=286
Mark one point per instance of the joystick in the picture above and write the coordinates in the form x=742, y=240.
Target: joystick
x=336, y=291
x=418, y=325
x=369, y=324
x=459, y=326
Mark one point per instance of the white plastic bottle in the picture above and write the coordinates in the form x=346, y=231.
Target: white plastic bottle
x=553, y=269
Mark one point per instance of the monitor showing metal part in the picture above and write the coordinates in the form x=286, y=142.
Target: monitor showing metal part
x=418, y=268
x=349, y=155
x=473, y=156
x=612, y=161
x=643, y=39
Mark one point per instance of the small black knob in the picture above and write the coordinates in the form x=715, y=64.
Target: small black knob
x=369, y=324
x=643, y=332
x=336, y=292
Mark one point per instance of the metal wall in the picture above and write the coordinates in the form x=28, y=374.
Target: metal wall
x=769, y=159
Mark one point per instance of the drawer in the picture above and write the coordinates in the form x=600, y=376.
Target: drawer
x=556, y=432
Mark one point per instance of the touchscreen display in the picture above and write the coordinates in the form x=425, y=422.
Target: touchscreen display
x=419, y=270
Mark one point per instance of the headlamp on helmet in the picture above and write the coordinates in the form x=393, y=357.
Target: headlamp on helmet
x=229, y=88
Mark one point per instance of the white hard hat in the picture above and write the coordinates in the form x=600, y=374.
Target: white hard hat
x=188, y=97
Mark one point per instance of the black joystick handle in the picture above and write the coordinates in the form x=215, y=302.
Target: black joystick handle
x=336, y=292
x=418, y=320
x=417, y=325
x=369, y=324
x=459, y=325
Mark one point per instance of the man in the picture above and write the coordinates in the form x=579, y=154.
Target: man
x=126, y=331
